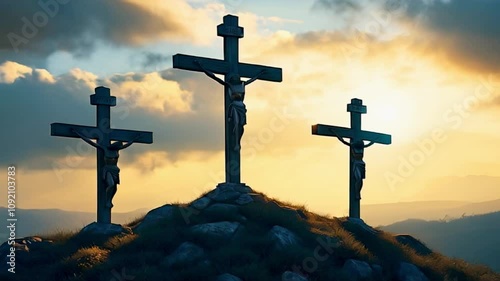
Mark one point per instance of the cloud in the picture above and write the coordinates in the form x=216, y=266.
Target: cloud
x=11, y=71
x=45, y=26
x=183, y=119
x=338, y=5
x=463, y=32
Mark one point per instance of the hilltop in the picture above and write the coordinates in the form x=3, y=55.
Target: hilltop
x=235, y=233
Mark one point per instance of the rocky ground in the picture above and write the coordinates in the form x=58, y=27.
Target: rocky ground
x=233, y=233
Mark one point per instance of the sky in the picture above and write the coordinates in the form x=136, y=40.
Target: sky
x=428, y=71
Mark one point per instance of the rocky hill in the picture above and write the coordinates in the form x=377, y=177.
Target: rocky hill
x=233, y=233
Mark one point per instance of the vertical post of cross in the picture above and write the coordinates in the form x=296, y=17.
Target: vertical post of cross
x=356, y=108
x=103, y=100
x=231, y=33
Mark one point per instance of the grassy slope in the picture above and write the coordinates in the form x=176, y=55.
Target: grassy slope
x=250, y=256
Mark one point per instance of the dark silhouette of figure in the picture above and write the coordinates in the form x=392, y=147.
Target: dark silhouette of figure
x=237, y=112
x=358, y=166
x=357, y=149
x=111, y=172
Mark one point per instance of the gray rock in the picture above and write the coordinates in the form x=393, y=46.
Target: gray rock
x=25, y=244
x=155, y=215
x=227, y=277
x=224, y=192
x=222, y=208
x=106, y=229
x=357, y=270
x=244, y=199
x=186, y=253
x=283, y=237
x=292, y=276
x=223, y=229
x=243, y=188
x=362, y=225
x=201, y=203
x=409, y=272
x=419, y=247
x=378, y=271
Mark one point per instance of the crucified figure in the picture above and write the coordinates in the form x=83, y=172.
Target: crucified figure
x=110, y=172
x=237, y=109
x=358, y=165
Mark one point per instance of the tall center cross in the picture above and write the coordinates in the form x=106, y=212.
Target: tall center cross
x=107, y=153
x=356, y=144
x=233, y=71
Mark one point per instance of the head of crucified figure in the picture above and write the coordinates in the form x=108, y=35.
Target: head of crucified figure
x=357, y=148
x=237, y=88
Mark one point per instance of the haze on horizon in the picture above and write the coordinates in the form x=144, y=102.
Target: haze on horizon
x=428, y=71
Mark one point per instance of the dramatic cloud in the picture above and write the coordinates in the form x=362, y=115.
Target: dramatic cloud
x=464, y=32
x=33, y=98
x=46, y=26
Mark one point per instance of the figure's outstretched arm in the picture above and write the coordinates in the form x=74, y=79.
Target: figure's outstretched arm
x=343, y=141
x=254, y=78
x=210, y=74
x=87, y=140
x=369, y=144
x=340, y=138
x=131, y=142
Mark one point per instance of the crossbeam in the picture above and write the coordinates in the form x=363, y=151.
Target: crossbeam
x=187, y=62
x=342, y=132
x=67, y=130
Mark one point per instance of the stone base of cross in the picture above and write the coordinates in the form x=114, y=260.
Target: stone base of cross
x=107, y=152
x=356, y=145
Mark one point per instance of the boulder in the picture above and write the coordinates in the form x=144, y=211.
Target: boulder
x=409, y=272
x=224, y=192
x=244, y=199
x=227, y=277
x=186, y=254
x=357, y=270
x=419, y=247
x=292, y=276
x=283, y=237
x=25, y=244
x=201, y=203
x=155, y=215
x=243, y=188
x=378, y=271
x=105, y=229
x=360, y=224
x=224, y=229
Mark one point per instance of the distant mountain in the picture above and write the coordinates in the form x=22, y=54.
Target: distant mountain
x=384, y=214
x=475, y=239
x=41, y=221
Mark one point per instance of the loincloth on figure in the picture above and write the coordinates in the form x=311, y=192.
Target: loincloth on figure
x=114, y=171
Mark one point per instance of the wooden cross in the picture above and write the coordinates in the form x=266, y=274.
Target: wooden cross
x=356, y=143
x=232, y=70
x=104, y=135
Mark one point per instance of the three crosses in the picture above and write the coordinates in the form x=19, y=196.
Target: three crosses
x=234, y=116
